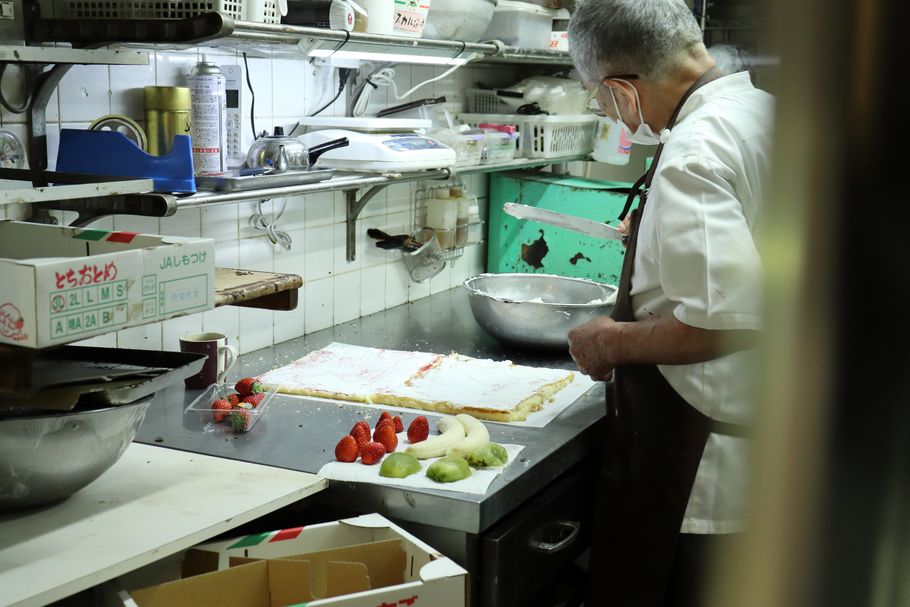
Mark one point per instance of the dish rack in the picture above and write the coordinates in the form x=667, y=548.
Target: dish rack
x=258, y=11
x=545, y=136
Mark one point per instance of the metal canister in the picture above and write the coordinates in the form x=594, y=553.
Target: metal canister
x=167, y=113
x=209, y=117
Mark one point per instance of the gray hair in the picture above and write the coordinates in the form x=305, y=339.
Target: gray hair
x=644, y=37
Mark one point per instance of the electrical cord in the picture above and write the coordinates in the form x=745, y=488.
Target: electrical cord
x=343, y=75
x=258, y=221
x=249, y=85
x=5, y=102
x=385, y=76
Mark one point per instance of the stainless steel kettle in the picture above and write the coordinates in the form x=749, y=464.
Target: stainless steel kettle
x=279, y=152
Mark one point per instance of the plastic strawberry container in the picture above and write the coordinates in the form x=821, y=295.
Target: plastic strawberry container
x=202, y=407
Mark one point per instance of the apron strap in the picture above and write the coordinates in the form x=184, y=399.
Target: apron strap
x=644, y=182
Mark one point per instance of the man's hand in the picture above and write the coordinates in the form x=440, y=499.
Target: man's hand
x=594, y=347
x=602, y=344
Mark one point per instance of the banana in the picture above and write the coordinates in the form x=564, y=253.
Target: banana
x=476, y=435
x=450, y=432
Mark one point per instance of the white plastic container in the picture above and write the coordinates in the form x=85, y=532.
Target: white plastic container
x=521, y=24
x=611, y=143
x=380, y=16
x=442, y=216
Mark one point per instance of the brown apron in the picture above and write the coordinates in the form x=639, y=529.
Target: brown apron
x=652, y=448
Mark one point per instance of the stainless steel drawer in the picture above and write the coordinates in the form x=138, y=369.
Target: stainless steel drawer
x=524, y=554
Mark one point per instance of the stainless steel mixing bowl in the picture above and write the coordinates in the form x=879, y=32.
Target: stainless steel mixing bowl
x=536, y=310
x=49, y=456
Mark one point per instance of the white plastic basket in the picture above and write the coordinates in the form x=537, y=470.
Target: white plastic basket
x=484, y=101
x=257, y=11
x=552, y=136
x=545, y=136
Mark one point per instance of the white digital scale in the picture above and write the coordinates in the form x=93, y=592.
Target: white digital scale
x=379, y=144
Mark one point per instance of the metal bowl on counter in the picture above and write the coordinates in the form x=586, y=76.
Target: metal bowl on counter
x=536, y=310
x=46, y=456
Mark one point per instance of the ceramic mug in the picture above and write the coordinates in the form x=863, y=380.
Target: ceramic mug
x=221, y=357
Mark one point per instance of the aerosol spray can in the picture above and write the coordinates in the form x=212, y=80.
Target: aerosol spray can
x=209, y=118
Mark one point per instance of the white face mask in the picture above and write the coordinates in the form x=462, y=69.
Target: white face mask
x=643, y=135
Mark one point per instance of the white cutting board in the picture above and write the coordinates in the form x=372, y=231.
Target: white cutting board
x=154, y=502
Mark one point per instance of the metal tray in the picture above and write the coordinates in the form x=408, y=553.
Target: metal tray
x=233, y=181
x=108, y=376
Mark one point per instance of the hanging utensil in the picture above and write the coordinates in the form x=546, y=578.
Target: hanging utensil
x=386, y=241
x=561, y=220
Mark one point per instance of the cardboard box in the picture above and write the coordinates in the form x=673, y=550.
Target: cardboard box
x=365, y=561
x=63, y=284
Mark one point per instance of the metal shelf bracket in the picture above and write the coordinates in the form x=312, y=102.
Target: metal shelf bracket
x=354, y=207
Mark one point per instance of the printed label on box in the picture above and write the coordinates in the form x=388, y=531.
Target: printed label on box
x=183, y=294
x=70, y=283
x=149, y=285
x=410, y=15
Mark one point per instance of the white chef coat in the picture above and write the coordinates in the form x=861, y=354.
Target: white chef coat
x=697, y=259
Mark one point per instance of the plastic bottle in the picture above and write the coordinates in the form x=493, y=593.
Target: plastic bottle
x=208, y=125
x=475, y=226
x=611, y=143
x=442, y=216
x=461, y=215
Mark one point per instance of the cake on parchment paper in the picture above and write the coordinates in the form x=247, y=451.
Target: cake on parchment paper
x=487, y=389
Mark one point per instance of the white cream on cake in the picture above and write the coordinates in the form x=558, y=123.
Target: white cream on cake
x=348, y=372
x=487, y=389
x=479, y=382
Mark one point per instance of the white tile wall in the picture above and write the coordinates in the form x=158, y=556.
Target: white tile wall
x=335, y=290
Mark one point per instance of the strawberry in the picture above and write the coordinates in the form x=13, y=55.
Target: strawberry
x=419, y=429
x=240, y=420
x=247, y=386
x=254, y=399
x=361, y=432
x=371, y=452
x=382, y=417
x=386, y=435
x=221, y=407
x=234, y=399
x=399, y=425
x=347, y=449
x=382, y=424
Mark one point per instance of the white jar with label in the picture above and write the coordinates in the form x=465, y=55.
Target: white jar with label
x=442, y=216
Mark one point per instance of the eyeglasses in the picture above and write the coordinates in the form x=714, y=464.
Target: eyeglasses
x=593, y=105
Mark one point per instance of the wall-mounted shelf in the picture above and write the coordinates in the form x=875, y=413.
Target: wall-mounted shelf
x=351, y=183
x=266, y=290
x=43, y=54
x=296, y=40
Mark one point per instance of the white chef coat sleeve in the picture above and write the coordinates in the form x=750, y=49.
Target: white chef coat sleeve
x=709, y=264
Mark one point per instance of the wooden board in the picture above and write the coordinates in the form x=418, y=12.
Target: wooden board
x=235, y=287
x=154, y=502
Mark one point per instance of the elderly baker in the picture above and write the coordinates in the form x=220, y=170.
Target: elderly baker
x=679, y=349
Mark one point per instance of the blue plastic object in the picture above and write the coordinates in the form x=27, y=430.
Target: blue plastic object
x=111, y=153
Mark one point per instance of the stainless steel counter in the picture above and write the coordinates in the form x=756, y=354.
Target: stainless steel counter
x=302, y=435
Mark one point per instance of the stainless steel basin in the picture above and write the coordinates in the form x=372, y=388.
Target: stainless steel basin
x=49, y=456
x=536, y=310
